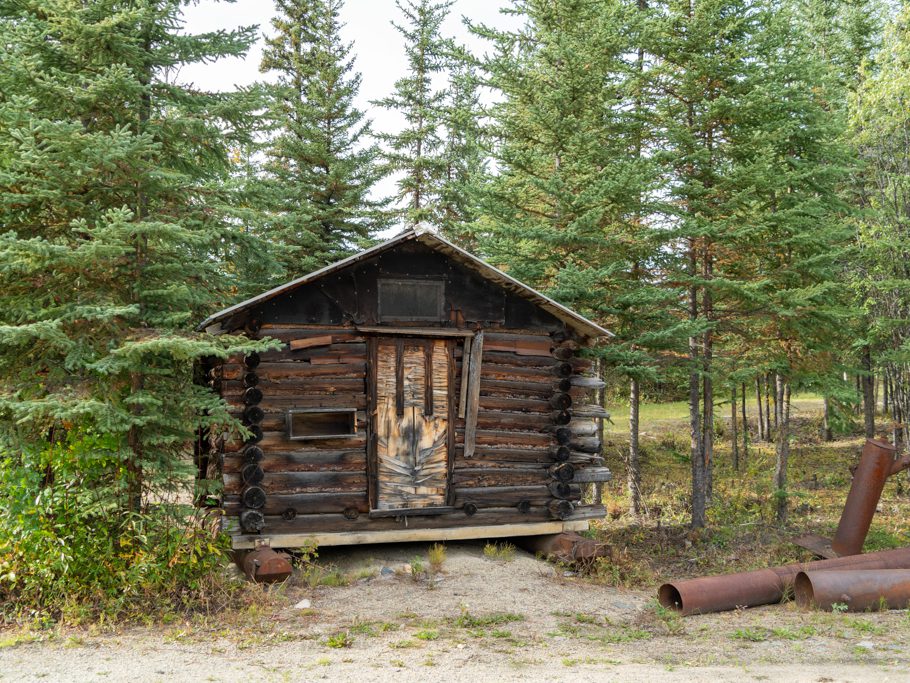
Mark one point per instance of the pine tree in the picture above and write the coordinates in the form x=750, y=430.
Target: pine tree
x=416, y=153
x=113, y=228
x=321, y=167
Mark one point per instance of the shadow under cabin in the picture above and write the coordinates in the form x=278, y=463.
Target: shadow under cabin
x=419, y=394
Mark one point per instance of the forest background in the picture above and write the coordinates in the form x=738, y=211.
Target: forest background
x=722, y=183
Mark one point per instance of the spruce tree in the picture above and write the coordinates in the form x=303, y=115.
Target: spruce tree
x=320, y=164
x=112, y=232
x=573, y=206
x=416, y=153
x=464, y=153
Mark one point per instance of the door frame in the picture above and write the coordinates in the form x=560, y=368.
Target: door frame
x=421, y=335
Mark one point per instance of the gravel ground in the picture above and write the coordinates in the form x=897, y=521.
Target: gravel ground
x=485, y=620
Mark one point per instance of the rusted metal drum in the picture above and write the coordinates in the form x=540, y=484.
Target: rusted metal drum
x=858, y=589
x=874, y=468
x=264, y=565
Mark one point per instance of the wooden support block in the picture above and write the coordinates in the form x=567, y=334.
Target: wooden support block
x=308, y=342
x=463, y=393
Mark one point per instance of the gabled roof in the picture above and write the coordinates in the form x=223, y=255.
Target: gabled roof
x=440, y=244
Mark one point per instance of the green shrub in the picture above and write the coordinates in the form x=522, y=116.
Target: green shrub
x=71, y=550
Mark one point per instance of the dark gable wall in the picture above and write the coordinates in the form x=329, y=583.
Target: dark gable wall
x=350, y=296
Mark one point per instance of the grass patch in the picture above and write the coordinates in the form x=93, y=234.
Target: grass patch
x=427, y=635
x=340, y=640
x=752, y=635
x=502, y=552
x=468, y=620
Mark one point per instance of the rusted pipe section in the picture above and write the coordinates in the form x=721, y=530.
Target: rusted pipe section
x=876, y=464
x=763, y=586
x=858, y=589
x=568, y=546
x=264, y=565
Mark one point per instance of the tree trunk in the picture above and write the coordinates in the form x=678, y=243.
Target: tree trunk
x=695, y=433
x=885, y=391
x=745, y=457
x=761, y=413
x=827, y=435
x=634, y=468
x=776, y=396
x=735, y=434
x=782, y=451
x=868, y=394
x=767, y=384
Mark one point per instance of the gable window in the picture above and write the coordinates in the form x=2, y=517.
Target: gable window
x=411, y=300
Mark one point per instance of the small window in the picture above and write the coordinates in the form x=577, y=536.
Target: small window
x=321, y=423
x=411, y=300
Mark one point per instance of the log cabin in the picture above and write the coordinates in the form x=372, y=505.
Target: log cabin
x=419, y=394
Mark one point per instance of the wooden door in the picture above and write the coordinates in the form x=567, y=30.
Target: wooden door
x=411, y=423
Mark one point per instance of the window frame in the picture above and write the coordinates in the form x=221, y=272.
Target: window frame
x=291, y=412
x=437, y=283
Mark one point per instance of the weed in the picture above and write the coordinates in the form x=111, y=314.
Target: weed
x=504, y=552
x=403, y=644
x=787, y=633
x=436, y=557
x=583, y=618
x=340, y=640
x=427, y=635
x=397, y=662
x=418, y=571
x=468, y=620
x=752, y=635
x=500, y=633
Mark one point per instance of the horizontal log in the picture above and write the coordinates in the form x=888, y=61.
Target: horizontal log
x=586, y=444
x=504, y=336
x=592, y=474
x=272, y=404
x=587, y=382
x=546, y=389
x=278, y=441
x=509, y=403
x=497, y=437
x=329, y=460
x=233, y=389
x=411, y=535
x=520, y=347
x=288, y=334
x=511, y=359
x=304, y=503
x=283, y=371
x=494, y=419
x=276, y=524
x=591, y=411
x=500, y=496
x=583, y=427
x=303, y=482
x=477, y=477
x=492, y=456
x=309, y=342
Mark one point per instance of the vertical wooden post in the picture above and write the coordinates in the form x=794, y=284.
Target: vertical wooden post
x=745, y=427
x=473, y=401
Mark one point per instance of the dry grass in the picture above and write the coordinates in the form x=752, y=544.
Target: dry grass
x=742, y=532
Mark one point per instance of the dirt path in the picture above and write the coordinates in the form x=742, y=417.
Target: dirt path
x=485, y=620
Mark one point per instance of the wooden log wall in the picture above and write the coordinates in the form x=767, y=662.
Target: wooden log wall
x=535, y=427
x=534, y=435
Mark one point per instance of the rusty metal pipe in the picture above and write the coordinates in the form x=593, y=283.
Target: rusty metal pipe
x=763, y=586
x=264, y=565
x=876, y=464
x=858, y=589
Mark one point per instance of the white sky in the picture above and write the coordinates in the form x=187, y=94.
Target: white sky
x=378, y=51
